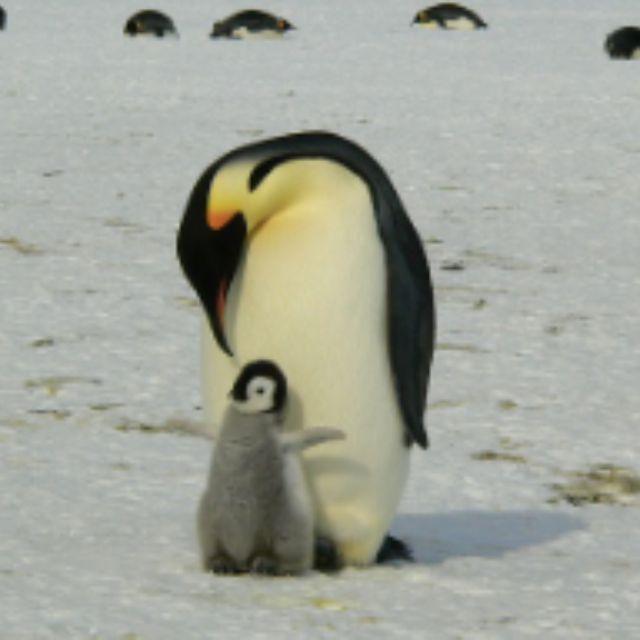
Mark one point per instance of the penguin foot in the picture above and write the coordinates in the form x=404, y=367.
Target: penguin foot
x=393, y=550
x=326, y=556
x=221, y=564
x=264, y=566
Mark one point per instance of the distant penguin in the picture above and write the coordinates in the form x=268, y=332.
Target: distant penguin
x=256, y=513
x=300, y=247
x=150, y=22
x=251, y=23
x=3, y=18
x=449, y=16
x=624, y=43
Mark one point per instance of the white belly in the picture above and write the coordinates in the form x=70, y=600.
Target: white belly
x=457, y=24
x=243, y=33
x=460, y=24
x=311, y=295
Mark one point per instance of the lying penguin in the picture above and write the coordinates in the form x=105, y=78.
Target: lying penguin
x=624, y=43
x=3, y=18
x=150, y=22
x=449, y=15
x=256, y=512
x=250, y=23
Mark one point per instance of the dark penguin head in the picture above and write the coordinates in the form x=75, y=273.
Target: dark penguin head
x=261, y=387
x=624, y=43
x=449, y=15
x=150, y=23
x=3, y=18
x=250, y=22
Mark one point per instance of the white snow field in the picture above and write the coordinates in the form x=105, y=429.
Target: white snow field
x=517, y=153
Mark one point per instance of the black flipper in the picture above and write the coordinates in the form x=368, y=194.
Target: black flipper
x=411, y=313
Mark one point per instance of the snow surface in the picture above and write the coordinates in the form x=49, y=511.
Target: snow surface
x=516, y=151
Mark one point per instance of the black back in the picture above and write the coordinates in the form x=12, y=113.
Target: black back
x=150, y=21
x=623, y=42
x=445, y=11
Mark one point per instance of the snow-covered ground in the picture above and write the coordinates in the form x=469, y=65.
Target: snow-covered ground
x=516, y=151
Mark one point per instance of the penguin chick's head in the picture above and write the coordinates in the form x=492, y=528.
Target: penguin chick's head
x=261, y=387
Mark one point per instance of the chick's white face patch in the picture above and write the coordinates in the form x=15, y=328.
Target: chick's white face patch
x=260, y=396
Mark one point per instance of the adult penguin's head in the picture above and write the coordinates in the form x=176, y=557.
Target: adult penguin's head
x=243, y=190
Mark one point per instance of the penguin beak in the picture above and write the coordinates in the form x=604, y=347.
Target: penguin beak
x=209, y=249
x=219, y=219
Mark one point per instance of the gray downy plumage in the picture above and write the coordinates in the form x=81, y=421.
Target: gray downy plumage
x=256, y=513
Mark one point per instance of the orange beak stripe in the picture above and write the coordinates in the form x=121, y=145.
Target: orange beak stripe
x=218, y=219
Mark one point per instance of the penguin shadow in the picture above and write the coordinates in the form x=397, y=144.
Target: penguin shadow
x=439, y=537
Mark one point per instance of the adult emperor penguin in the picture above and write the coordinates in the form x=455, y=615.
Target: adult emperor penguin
x=449, y=15
x=250, y=24
x=300, y=251
x=3, y=18
x=150, y=22
x=624, y=43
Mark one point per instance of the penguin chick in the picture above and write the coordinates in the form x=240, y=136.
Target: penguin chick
x=256, y=512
